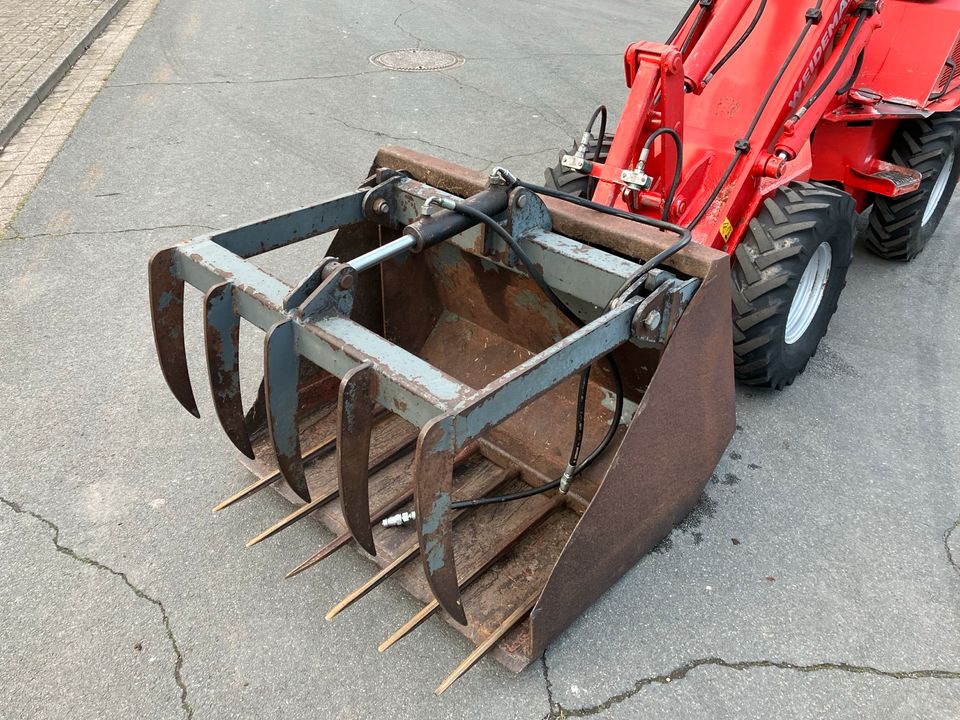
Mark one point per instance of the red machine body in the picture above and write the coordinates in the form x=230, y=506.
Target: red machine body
x=759, y=119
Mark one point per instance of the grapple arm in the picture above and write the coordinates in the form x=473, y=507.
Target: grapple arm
x=432, y=320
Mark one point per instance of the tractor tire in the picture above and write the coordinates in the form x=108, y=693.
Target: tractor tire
x=900, y=227
x=788, y=272
x=568, y=181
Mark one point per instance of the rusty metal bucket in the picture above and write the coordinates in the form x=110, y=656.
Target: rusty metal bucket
x=410, y=380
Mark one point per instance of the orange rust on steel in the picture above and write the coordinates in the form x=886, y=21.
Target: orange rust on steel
x=306, y=509
x=323, y=448
x=503, y=546
x=405, y=556
x=506, y=626
x=357, y=396
x=319, y=450
x=410, y=551
x=397, y=501
x=221, y=336
x=624, y=236
x=433, y=485
x=166, y=315
x=693, y=389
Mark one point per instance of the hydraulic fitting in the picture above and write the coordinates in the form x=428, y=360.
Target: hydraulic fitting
x=637, y=179
x=399, y=519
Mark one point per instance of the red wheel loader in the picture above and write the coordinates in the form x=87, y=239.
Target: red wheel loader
x=506, y=393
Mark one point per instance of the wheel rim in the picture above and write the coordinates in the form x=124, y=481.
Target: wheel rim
x=809, y=295
x=936, y=193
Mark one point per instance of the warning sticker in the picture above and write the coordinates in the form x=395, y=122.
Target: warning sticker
x=726, y=229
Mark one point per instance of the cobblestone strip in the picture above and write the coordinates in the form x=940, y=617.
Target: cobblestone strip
x=39, y=41
x=26, y=157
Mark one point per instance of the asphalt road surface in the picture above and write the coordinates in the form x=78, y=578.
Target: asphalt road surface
x=123, y=596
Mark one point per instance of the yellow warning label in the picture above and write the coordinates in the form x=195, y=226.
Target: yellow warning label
x=726, y=229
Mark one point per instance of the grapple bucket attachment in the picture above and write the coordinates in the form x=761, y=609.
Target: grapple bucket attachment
x=420, y=365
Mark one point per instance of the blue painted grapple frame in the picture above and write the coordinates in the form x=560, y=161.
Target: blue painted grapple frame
x=395, y=325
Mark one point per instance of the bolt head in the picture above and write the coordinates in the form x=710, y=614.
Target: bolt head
x=346, y=281
x=381, y=207
x=652, y=320
x=521, y=200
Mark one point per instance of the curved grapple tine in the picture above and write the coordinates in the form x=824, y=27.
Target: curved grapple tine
x=166, y=314
x=281, y=374
x=358, y=393
x=221, y=334
x=433, y=483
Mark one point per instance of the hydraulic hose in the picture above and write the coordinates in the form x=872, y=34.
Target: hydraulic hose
x=738, y=44
x=601, y=111
x=677, y=171
x=574, y=466
x=743, y=145
x=683, y=21
x=861, y=19
x=704, y=9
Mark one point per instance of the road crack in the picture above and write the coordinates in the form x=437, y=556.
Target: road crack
x=559, y=122
x=112, y=232
x=242, y=81
x=551, y=705
x=401, y=28
x=405, y=138
x=946, y=545
x=165, y=618
x=558, y=711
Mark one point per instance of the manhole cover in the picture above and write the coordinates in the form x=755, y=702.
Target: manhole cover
x=417, y=60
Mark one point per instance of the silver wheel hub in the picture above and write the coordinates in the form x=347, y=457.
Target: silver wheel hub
x=936, y=192
x=809, y=295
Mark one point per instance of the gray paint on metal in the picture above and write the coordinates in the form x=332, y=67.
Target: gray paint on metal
x=291, y=227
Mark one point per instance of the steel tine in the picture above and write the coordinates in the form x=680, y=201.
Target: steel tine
x=221, y=334
x=433, y=488
x=300, y=512
x=507, y=475
x=344, y=538
x=358, y=393
x=166, y=315
x=322, y=449
x=501, y=547
x=322, y=554
x=281, y=370
x=305, y=510
x=401, y=498
x=410, y=625
x=506, y=626
x=401, y=560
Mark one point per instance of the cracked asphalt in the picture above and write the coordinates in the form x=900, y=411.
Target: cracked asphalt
x=817, y=578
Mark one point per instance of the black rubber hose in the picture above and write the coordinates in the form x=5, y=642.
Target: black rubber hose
x=585, y=374
x=845, y=88
x=741, y=149
x=693, y=30
x=716, y=191
x=738, y=44
x=678, y=170
x=683, y=21
x=780, y=73
x=482, y=217
x=655, y=261
x=601, y=111
x=477, y=502
x=605, y=209
x=847, y=47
